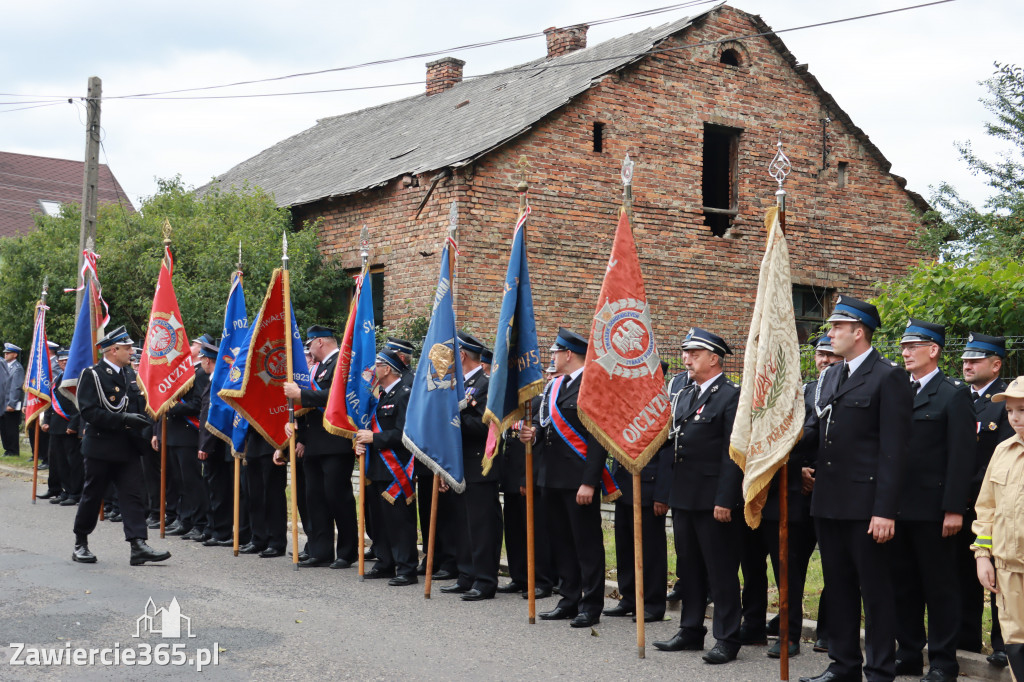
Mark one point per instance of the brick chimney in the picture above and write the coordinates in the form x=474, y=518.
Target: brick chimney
x=443, y=74
x=565, y=40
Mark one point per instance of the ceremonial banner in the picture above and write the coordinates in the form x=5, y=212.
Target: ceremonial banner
x=166, y=371
x=255, y=382
x=39, y=374
x=622, y=399
x=221, y=416
x=351, y=404
x=433, y=430
x=516, y=373
x=770, y=414
x=88, y=330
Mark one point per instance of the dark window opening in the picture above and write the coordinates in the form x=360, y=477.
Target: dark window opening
x=598, y=137
x=377, y=283
x=718, y=181
x=730, y=57
x=809, y=305
x=843, y=169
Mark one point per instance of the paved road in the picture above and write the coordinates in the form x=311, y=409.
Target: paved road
x=272, y=622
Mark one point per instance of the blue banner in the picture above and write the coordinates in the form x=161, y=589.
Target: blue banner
x=82, y=352
x=516, y=373
x=359, y=384
x=220, y=421
x=433, y=430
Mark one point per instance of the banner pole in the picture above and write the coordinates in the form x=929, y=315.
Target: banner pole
x=435, y=493
x=163, y=475
x=362, y=516
x=236, y=503
x=35, y=460
x=638, y=568
x=286, y=289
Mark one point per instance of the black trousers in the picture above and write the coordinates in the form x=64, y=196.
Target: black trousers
x=268, y=515
x=480, y=539
x=394, y=540
x=330, y=504
x=219, y=477
x=151, y=467
x=10, y=425
x=754, y=566
x=925, y=574
x=858, y=568
x=194, y=505
x=972, y=594
x=514, y=519
x=802, y=540
x=449, y=523
x=710, y=552
x=126, y=477
x=577, y=546
x=655, y=553
x=67, y=451
x=44, y=444
x=55, y=477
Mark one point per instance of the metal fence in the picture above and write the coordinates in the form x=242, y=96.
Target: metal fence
x=1013, y=363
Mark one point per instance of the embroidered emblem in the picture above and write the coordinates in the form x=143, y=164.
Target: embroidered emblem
x=166, y=338
x=624, y=339
x=442, y=365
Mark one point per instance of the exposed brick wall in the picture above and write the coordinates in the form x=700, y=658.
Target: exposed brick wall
x=847, y=239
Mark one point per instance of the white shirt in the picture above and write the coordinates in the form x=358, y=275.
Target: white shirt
x=857, y=361
x=471, y=372
x=390, y=386
x=926, y=378
x=117, y=368
x=707, y=384
x=981, y=391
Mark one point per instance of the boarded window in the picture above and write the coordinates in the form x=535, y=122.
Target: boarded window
x=809, y=305
x=718, y=180
x=843, y=168
x=377, y=282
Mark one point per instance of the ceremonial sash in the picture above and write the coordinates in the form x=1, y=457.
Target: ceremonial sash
x=577, y=443
x=55, y=404
x=193, y=420
x=402, y=475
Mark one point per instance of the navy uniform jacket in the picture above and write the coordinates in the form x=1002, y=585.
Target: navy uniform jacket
x=312, y=434
x=16, y=387
x=104, y=398
x=863, y=444
x=703, y=474
x=940, y=462
x=58, y=424
x=209, y=443
x=180, y=431
x=655, y=479
x=803, y=455
x=391, y=419
x=474, y=432
x=992, y=427
x=560, y=467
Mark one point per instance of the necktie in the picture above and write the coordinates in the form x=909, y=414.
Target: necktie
x=690, y=397
x=843, y=376
x=975, y=395
x=916, y=385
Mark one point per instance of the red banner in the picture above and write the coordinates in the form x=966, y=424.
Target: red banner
x=166, y=371
x=622, y=399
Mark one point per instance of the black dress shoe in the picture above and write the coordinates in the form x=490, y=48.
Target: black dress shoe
x=721, y=653
x=752, y=636
x=512, y=587
x=43, y=466
x=683, y=641
x=455, y=588
x=829, y=676
x=538, y=593
x=250, y=548
x=620, y=610
x=998, y=659
x=47, y=495
x=402, y=580
x=444, y=574
x=821, y=645
x=939, y=675
x=369, y=555
x=271, y=552
x=559, y=613
x=585, y=620
x=908, y=667
x=202, y=537
x=651, y=617
x=676, y=594
x=773, y=627
x=775, y=650
x=378, y=575
x=313, y=562
x=72, y=502
x=421, y=569
x=57, y=498
x=477, y=595
x=115, y=517
x=303, y=555
x=176, y=529
x=341, y=563
x=141, y=553
x=214, y=542
x=82, y=555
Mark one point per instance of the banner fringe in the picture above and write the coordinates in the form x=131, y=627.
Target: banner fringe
x=423, y=457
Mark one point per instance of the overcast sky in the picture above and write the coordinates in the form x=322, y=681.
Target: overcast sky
x=909, y=80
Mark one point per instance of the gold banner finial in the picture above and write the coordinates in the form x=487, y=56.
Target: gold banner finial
x=167, y=231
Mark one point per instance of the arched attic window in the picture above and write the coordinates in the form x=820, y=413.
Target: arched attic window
x=731, y=56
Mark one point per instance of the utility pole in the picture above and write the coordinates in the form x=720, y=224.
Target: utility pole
x=92, y=173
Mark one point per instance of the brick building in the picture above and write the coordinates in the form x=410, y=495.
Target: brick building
x=697, y=110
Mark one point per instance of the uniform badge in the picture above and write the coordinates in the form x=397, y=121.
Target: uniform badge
x=992, y=426
x=624, y=339
x=109, y=371
x=117, y=389
x=111, y=398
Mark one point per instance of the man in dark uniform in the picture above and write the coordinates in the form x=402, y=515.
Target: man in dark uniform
x=444, y=557
x=218, y=472
x=862, y=420
x=394, y=530
x=982, y=361
x=707, y=505
x=476, y=526
x=113, y=411
x=655, y=486
x=62, y=423
x=328, y=461
x=268, y=510
x=933, y=498
x=10, y=420
x=570, y=478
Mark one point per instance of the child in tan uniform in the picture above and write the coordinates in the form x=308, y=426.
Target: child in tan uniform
x=1000, y=529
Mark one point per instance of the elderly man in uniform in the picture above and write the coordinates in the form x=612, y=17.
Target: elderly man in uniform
x=933, y=498
x=569, y=477
x=10, y=420
x=982, y=361
x=112, y=408
x=476, y=524
x=707, y=506
x=862, y=421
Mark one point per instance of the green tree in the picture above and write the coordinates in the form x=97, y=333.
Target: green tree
x=206, y=233
x=958, y=230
